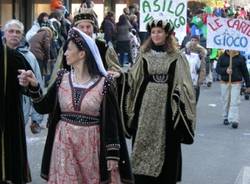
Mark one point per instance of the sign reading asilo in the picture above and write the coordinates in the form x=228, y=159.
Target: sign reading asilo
x=174, y=11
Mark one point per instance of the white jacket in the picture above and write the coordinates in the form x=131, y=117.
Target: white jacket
x=32, y=31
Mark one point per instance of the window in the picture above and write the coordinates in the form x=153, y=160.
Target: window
x=41, y=6
x=6, y=10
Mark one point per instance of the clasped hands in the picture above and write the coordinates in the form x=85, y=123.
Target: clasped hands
x=229, y=71
x=26, y=78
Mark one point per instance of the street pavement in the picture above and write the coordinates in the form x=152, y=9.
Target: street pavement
x=219, y=155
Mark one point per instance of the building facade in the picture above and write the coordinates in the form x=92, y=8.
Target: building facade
x=28, y=10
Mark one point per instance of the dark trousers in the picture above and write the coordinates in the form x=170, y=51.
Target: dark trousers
x=197, y=93
x=123, y=47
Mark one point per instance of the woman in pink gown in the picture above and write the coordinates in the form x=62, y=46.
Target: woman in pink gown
x=85, y=142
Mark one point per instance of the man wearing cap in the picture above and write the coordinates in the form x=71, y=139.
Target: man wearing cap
x=85, y=21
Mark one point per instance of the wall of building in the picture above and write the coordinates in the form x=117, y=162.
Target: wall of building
x=27, y=11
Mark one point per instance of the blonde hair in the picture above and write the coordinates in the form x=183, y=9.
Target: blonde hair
x=170, y=45
x=12, y=22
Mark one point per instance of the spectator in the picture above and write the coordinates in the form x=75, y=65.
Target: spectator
x=134, y=23
x=42, y=18
x=126, y=12
x=195, y=47
x=40, y=46
x=56, y=22
x=68, y=21
x=194, y=62
x=108, y=27
x=123, y=42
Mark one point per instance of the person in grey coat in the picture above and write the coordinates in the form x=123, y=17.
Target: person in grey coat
x=123, y=41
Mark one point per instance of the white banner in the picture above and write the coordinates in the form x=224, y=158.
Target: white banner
x=225, y=33
x=173, y=11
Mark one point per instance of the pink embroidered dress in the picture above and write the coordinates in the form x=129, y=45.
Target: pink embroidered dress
x=76, y=148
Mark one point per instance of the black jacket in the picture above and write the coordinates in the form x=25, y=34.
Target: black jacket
x=239, y=68
x=12, y=129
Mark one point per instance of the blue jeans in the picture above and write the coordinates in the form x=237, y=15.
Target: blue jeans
x=123, y=47
x=28, y=109
x=232, y=112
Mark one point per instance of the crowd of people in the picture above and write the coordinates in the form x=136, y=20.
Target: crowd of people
x=93, y=105
x=214, y=61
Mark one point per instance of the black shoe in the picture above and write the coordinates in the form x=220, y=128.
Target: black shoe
x=235, y=125
x=209, y=84
x=226, y=122
x=35, y=127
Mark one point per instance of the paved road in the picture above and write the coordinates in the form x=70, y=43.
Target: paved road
x=220, y=154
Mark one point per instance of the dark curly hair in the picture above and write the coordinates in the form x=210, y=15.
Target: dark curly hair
x=81, y=44
x=41, y=16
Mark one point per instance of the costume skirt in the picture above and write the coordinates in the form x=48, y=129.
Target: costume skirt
x=75, y=155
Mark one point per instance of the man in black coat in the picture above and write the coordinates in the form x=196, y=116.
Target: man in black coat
x=14, y=163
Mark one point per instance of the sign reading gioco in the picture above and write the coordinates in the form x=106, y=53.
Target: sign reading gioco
x=228, y=40
x=173, y=11
x=228, y=33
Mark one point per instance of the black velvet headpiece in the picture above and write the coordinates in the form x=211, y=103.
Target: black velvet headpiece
x=169, y=29
x=84, y=16
x=76, y=37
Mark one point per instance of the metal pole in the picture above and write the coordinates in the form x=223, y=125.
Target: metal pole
x=66, y=3
x=229, y=80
